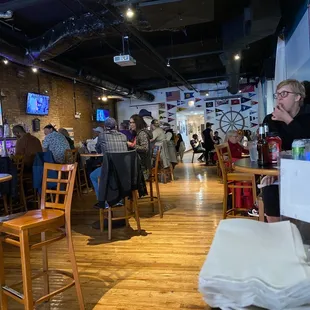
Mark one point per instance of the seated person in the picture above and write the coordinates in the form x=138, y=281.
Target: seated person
x=26, y=145
x=158, y=133
x=110, y=140
x=217, y=139
x=197, y=147
x=236, y=149
x=290, y=120
x=64, y=132
x=56, y=143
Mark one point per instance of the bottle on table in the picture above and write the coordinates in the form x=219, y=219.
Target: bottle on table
x=298, y=149
x=262, y=147
x=274, y=147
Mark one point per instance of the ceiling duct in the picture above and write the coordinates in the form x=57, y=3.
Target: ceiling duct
x=6, y=15
x=67, y=34
x=16, y=54
x=257, y=22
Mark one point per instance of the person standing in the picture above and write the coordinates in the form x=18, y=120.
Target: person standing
x=208, y=140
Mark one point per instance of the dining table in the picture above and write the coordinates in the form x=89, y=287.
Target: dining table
x=4, y=177
x=247, y=166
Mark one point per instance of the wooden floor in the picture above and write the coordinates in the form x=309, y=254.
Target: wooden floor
x=157, y=270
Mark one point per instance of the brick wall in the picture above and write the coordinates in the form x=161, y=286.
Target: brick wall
x=16, y=81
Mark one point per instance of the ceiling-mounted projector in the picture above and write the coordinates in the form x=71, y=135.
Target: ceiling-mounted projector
x=124, y=60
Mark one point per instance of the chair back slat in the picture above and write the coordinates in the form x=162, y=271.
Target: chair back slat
x=62, y=190
x=156, y=158
x=224, y=158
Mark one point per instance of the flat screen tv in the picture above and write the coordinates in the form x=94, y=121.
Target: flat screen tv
x=102, y=115
x=37, y=104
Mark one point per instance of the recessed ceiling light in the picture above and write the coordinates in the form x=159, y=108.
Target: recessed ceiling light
x=104, y=98
x=34, y=70
x=237, y=57
x=5, y=61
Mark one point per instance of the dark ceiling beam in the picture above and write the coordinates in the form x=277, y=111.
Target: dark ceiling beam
x=18, y=4
x=196, y=55
x=156, y=2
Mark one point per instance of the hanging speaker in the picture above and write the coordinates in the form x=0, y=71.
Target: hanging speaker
x=36, y=125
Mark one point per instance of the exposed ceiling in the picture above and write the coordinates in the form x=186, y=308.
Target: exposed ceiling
x=199, y=37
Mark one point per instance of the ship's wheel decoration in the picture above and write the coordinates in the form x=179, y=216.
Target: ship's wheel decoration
x=232, y=120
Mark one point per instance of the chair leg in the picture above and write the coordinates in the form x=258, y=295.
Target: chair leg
x=225, y=201
x=45, y=266
x=136, y=210
x=5, y=204
x=85, y=179
x=193, y=157
x=171, y=173
x=75, y=271
x=110, y=223
x=261, y=210
x=26, y=269
x=101, y=219
x=127, y=205
x=22, y=193
x=3, y=297
x=160, y=207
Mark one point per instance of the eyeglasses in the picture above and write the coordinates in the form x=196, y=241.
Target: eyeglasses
x=283, y=94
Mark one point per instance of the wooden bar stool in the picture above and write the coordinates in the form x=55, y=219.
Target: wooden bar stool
x=130, y=209
x=153, y=179
x=53, y=216
x=71, y=157
x=18, y=161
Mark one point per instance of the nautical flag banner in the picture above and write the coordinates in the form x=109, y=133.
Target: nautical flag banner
x=188, y=95
x=244, y=108
x=161, y=112
x=219, y=114
x=218, y=111
x=247, y=88
x=252, y=95
x=171, y=114
x=198, y=106
x=254, y=102
x=210, y=104
x=162, y=117
x=181, y=109
x=170, y=106
x=180, y=102
x=253, y=125
x=235, y=101
x=243, y=99
x=253, y=118
x=173, y=95
x=208, y=111
x=253, y=112
x=170, y=120
x=162, y=106
x=197, y=99
x=221, y=102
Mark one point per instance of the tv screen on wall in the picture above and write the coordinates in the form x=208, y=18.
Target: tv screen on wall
x=37, y=104
x=102, y=115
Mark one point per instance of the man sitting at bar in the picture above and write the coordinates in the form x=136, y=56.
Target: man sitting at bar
x=109, y=141
x=26, y=145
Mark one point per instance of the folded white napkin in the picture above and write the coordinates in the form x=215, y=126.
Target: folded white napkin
x=255, y=263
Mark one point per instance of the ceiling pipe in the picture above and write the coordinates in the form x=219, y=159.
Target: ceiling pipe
x=196, y=55
x=15, y=54
x=67, y=34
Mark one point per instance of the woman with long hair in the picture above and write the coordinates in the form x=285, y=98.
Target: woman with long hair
x=142, y=142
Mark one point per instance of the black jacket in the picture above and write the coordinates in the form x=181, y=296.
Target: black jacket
x=299, y=128
x=120, y=174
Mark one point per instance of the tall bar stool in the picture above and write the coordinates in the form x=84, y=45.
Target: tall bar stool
x=18, y=161
x=153, y=179
x=71, y=157
x=53, y=216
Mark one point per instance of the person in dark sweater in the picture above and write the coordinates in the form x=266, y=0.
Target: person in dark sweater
x=290, y=121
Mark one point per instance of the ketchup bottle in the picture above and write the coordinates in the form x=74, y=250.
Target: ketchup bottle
x=274, y=147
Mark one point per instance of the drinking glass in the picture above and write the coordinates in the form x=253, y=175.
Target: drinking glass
x=252, y=145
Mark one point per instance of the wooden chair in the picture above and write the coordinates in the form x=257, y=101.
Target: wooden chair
x=154, y=172
x=82, y=177
x=130, y=209
x=52, y=216
x=232, y=181
x=71, y=157
x=21, y=205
